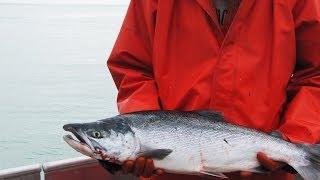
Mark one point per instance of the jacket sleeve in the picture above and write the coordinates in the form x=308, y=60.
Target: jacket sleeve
x=301, y=121
x=130, y=62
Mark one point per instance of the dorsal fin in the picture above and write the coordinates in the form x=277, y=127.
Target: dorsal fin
x=214, y=115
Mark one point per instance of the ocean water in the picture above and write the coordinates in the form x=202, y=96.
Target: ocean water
x=52, y=72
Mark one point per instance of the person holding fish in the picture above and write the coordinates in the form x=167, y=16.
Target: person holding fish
x=257, y=62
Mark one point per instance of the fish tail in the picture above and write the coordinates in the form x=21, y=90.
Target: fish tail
x=310, y=170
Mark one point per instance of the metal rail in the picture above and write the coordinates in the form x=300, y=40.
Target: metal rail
x=21, y=173
x=82, y=168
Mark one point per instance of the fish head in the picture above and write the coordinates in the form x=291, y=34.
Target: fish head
x=109, y=139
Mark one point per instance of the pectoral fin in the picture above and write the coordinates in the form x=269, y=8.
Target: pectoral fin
x=156, y=153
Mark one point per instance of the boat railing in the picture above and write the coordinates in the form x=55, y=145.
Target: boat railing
x=82, y=168
x=19, y=173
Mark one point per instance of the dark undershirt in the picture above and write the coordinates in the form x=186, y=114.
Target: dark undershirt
x=226, y=10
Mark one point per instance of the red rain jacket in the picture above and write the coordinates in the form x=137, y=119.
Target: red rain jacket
x=264, y=74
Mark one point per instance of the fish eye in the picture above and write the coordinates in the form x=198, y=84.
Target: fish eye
x=96, y=134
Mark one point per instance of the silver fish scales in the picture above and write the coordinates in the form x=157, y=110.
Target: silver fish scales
x=196, y=142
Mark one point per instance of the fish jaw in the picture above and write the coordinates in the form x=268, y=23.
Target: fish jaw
x=81, y=147
x=76, y=131
x=84, y=145
x=87, y=151
x=111, y=148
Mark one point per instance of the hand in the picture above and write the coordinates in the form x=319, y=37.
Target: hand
x=270, y=164
x=274, y=165
x=141, y=167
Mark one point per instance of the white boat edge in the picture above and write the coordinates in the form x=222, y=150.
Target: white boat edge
x=19, y=171
x=68, y=164
x=33, y=171
x=36, y=169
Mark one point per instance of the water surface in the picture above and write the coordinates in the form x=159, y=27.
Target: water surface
x=52, y=72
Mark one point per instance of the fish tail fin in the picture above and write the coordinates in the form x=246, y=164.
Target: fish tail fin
x=310, y=170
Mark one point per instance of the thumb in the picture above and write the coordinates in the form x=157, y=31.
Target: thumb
x=268, y=163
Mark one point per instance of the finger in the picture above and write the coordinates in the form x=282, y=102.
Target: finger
x=267, y=162
x=245, y=173
x=148, y=168
x=127, y=167
x=159, y=172
x=139, y=166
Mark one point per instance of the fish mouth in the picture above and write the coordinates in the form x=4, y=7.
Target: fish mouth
x=83, y=145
